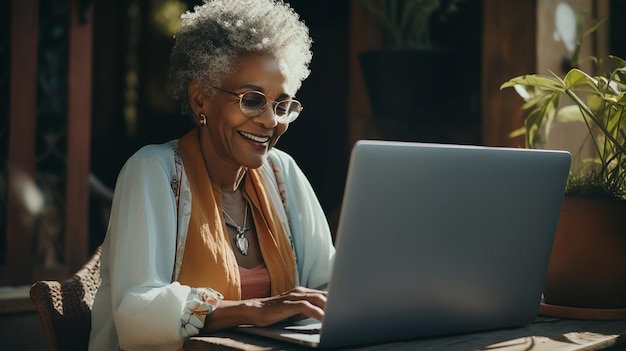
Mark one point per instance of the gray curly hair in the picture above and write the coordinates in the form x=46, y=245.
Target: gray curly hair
x=215, y=34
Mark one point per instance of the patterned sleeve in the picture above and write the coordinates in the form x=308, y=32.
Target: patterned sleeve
x=200, y=303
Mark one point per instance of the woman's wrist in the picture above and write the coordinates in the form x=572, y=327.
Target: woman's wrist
x=229, y=314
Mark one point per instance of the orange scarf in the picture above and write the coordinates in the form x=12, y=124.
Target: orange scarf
x=209, y=260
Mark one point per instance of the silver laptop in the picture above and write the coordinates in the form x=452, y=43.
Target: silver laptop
x=436, y=240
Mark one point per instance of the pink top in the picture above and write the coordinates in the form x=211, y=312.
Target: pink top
x=255, y=282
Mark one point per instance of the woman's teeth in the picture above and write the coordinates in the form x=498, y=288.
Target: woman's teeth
x=255, y=138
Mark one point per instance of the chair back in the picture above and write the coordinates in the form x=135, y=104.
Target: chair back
x=65, y=307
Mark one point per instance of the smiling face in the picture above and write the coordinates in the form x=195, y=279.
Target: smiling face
x=231, y=136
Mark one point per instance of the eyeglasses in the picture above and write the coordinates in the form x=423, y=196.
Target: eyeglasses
x=254, y=103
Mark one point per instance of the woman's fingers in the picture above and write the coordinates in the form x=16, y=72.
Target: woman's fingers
x=316, y=297
x=296, y=303
x=307, y=308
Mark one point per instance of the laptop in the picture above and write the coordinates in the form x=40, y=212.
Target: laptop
x=435, y=240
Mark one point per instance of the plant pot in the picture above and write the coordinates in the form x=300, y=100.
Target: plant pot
x=588, y=263
x=409, y=90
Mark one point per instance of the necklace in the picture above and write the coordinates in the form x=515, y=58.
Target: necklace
x=240, y=241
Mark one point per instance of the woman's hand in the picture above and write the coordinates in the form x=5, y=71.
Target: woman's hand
x=297, y=303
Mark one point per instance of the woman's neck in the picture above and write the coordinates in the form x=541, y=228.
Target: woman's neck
x=227, y=177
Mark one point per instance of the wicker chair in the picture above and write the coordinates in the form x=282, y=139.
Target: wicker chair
x=65, y=307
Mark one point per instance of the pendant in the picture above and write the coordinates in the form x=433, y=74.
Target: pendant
x=242, y=243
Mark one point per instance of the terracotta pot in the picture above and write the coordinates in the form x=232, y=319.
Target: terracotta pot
x=588, y=263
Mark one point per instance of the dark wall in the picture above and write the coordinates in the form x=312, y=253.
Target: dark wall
x=617, y=23
x=319, y=139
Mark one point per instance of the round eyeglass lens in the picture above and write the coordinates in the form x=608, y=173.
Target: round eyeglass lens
x=253, y=103
x=287, y=110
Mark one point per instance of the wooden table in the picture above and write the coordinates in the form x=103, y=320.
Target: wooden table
x=544, y=334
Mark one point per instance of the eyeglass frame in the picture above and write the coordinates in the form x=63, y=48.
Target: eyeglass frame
x=284, y=120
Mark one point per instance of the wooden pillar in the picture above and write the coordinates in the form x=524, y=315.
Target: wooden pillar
x=21, y=150
x=79, y=137
x=359, y=112
x=509, y=50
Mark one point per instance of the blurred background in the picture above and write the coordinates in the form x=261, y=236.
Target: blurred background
x=83, y=85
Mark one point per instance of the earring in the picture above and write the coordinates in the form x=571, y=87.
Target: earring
x=202, y=119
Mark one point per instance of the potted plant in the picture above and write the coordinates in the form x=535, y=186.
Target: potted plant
x=405, y=23
x=587, y=273
x=404, y=72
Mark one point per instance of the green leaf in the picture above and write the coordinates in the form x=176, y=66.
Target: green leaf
x=517, y=132
x=536, y=100
x=595, y=102
x=569, y=114
x=619, y=62
x=577, y=77
x=535, y=119
x=535, y=80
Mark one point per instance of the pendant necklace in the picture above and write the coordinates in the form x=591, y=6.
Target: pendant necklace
x=240, y=241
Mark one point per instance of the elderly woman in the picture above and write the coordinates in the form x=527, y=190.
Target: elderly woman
x=218, y=228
